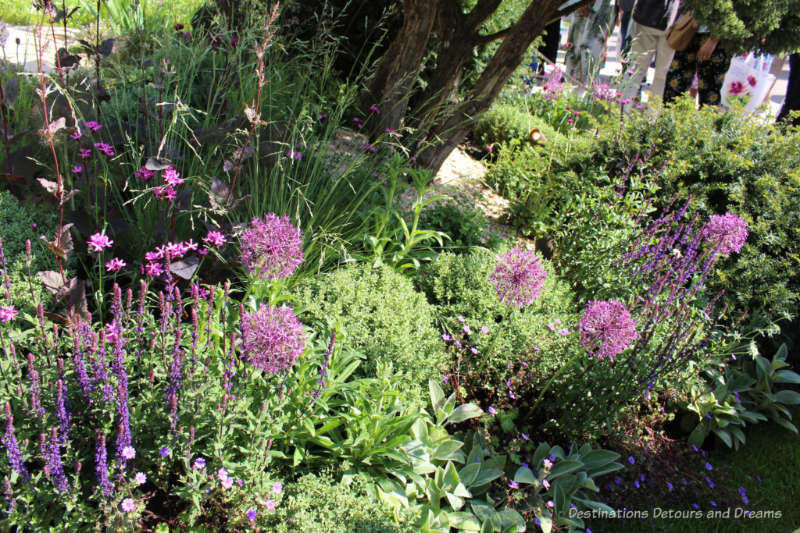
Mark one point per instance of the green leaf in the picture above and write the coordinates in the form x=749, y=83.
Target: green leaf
x=464, y=522
x=162, y=528
x=724, y=437
x=564, y=467
x=787, y=376
x=451, y=479
x=437, y=395
x=448, y=449
x=525, y=475
x=469, y=473
x=464, y=412
x=789, y=397
x=598, y=458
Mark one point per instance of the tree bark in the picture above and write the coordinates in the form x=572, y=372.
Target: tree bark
x=398, y=69
x=445, y=135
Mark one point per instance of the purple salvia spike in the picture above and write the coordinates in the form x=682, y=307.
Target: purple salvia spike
x=12, y=447
x=62, y=414
x=101, y=467
x=54, y=467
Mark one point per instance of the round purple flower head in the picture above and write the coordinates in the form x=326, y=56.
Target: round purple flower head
x=607, y=328
x=272, y=338
x=726, y=232
x=518, y=277
x=272, y=247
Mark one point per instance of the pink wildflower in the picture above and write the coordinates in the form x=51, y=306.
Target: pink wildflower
x=115, y=265
x=98, y=242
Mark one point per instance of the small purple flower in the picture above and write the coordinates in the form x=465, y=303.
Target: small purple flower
x=446, y=337
x=547, y=463
x=105, y=148
x=85, y=153
x=128, y=452
x=251, y=514
x=513, y=485
x=270, y=505
x=94, y=126
x=484, y=330
x=77, y=169
x=294, y=156
x=214, y=238
x=546, y=484
x=375, y=109
x=277, y=487
x=709, y=467
x=128, y=505
x=710, y=483
x=491, y=410
x=474, y=350
x=563, y=331
x=8, y=313
x=631, y=460
x=524, y=436
x=518, y=277
x=140, y=478
x=199, y=463
x=670, y=486
x=467, y=330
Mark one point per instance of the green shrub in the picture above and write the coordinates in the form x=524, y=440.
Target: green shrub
x=465, y=224
x=318, y=504
x=381, y=315
x=18, y=223
x=727, y=163
x=503, y=123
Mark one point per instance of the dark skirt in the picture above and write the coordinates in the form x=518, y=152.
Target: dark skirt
x=710, y=74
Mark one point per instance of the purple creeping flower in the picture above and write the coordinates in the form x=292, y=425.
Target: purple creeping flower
x=12, y=447
x=164, y=451
x=251, y=514
x=199, y=463
x=518, y=277
x=631, y=460
x=272, y=247
x=272, y=338
x=607, y=328
x=101, y=467
x=726, y=232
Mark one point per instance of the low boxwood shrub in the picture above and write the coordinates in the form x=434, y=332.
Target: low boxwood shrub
x=503, y=123
x=465, y=224
x=319, y=504
x=379, y=314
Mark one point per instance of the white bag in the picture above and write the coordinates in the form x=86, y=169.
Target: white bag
x=748, y=80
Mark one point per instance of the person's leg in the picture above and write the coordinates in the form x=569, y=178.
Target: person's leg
x=681, y=72
x=549, y=48
x=643, y=47
x=792, y=100
x=711, y=75
x=625, y=38
x=664, y=56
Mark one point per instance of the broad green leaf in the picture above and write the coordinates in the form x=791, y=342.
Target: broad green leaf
x=787, y=376
x=464, y=522
x=789, y=397
x=446, y=450
x=525, y=475
x=469, y=473
x=464, y=412
x=564, y=467
x=437, y=395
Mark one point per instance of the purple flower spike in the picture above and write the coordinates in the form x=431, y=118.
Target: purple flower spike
x=518, y=277
x=272, y=247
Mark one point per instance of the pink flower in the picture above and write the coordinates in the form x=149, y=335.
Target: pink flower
x=518, y=277
x=171, y=177
x=727, y=233
x=128, y=452
x=85, y=153
x=546, y=484
x=128, y=505
x=752, y=80
x=152, y=270
x=272, y=247
x=165, y=192
x=140, y=478
x=76, y=135
x=296, y=156
x=105, y=148
x=94, y=126
x=736, y=88
x=214, y=238
x=115, y=265
x=270, y=505
x=98, y=242
x=77, y=169
x=607, y=328
x=145, y=173
x=277, y=487
x=375, y=109
x=7, y=313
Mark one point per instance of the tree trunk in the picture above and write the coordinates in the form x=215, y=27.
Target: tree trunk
x=449, y=133
x=397, y=71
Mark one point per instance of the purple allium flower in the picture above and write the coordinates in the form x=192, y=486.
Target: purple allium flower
x=105, y=148
x=115, y=265
x=277, y=487
x=726, y=232
x=272, y=247
x=607, y=328
x=270, y=505
x=199, y=463
x=214, y=238
x=7, y=313
x=518, y=277
x=140, y=478
x=128, y=505
x=272, y=338
x=251, y=514
x=98, y=242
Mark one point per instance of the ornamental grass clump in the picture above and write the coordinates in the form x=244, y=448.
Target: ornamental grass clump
x=272, y=338
x=518, y=278
x=272, y=247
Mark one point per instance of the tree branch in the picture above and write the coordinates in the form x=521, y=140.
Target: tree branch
x=486, y=39
x=482, y=11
